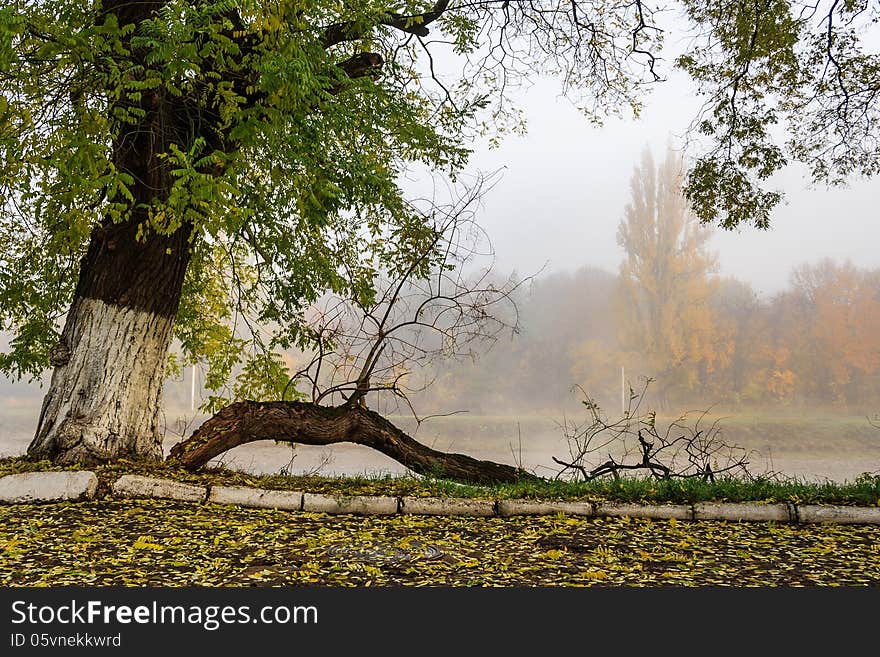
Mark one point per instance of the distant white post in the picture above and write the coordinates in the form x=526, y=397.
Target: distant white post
x=192, y=391
x=622, y=391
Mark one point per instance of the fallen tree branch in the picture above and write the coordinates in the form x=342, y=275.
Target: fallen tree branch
x=311, y=424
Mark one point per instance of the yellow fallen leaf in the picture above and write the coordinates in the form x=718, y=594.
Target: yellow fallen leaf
x=592, y=574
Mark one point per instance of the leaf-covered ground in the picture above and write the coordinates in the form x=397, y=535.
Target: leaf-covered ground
x=133, y=543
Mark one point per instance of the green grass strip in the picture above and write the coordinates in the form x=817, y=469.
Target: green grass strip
x=864, y=491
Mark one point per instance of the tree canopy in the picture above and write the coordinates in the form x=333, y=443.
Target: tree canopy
x=279, y=133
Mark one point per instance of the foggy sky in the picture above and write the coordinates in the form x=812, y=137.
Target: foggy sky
x=565, y=184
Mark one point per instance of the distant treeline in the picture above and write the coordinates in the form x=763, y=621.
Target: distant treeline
x=816, y=343
x=667, y=315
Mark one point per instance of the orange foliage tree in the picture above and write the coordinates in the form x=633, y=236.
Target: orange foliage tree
x=841, y=303
x=667, y=282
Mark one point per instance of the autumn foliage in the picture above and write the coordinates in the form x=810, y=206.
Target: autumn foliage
x=668, y=315
x=666, y=324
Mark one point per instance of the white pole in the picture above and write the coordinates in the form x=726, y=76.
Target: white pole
x=192, y=391
x=622, y=391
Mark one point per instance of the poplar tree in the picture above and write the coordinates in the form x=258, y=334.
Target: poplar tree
x=666, y=279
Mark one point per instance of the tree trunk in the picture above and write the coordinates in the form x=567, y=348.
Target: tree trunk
x=103, y=401
x=310, y=424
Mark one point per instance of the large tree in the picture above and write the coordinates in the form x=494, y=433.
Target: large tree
x=171, y=168
x=666, y=280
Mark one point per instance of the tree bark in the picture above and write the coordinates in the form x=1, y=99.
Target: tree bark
x=310, y=424
x=104, y=398
x=102, y=404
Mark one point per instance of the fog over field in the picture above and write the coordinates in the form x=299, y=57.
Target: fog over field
x=564, y=186
x=786, y=347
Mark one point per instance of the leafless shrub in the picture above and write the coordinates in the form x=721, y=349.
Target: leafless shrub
x=685, y=449
x=326, y=459
x=445, y=303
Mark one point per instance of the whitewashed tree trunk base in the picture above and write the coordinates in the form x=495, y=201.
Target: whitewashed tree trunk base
x=103, y=402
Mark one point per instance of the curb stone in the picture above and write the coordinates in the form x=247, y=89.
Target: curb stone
x=360, y=504
x=850, y=515
x=59, y=486
x=138, y=486
x=653, y=511
x=443, y=506
x=256, y=498
x=535, y=508
x=738, y=512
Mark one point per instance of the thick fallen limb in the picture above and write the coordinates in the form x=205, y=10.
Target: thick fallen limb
x=311, y=424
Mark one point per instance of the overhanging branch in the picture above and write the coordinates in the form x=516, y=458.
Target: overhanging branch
x=412, y=24
x=362, y=64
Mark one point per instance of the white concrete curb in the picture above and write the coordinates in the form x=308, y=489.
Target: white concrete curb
x=137, y=486
x=653, y=511
x=256, y=498
x=359, y=504
x=446, y=506
x=30, y=487
x=537, y=508
x=851, y=515
x=37, y=487
x=736, y=512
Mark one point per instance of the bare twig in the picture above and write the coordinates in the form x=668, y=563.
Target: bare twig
x=633, y=442
x=443, y=302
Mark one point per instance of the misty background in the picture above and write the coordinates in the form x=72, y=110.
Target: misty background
x=785, y=347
